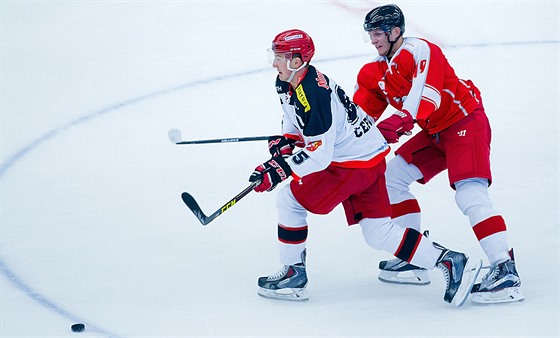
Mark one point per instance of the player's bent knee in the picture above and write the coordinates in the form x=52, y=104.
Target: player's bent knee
x=290, y=212
x=376, y=231
x=400, y=174
x=473, y=200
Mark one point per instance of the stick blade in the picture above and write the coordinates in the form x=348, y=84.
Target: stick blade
x=175, y=135
x=195, y=208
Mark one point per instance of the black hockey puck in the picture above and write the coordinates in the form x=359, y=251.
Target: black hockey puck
x=78, y=327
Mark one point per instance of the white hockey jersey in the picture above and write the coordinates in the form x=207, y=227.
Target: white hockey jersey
x=330, y=128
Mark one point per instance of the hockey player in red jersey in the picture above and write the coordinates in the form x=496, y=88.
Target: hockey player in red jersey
x=340, y=159
x=414, y=77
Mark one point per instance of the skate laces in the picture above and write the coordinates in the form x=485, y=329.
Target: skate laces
x=446, y=275
x=279, y=274
x=494, y=272
x=393, y=262
x=442, y=265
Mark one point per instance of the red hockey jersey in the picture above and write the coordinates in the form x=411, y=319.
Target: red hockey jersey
x=420, y=80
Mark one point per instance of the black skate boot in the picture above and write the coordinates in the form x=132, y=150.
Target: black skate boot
x=287, y=284
x=500, y=285
x=401, y=272
x=459, y=275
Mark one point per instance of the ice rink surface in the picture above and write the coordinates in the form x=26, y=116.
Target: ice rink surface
x=93, y=229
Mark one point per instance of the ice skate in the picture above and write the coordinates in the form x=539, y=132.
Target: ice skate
x=500, y=285
x=287, y=284
x=459, y=274
x=401, y=272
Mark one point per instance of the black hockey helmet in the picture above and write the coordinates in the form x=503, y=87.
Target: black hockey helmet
x=385, y=18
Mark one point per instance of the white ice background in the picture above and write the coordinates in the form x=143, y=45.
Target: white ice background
x=92, y=226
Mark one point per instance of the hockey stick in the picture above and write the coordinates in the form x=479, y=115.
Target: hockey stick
x=175, y=136
x=195, y=208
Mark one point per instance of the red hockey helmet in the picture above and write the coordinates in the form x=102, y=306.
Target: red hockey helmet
x=294, y=43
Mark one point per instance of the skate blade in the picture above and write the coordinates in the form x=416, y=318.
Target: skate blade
x=469, y=277
x=412, y=277
x=289, y=294
x=507, y=295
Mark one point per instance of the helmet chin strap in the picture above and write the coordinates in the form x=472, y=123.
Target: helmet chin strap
x=392, y=43
x=294, y=71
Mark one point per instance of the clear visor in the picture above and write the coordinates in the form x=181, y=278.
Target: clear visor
x=277, y=57
x=376, y=34
x=365, y=36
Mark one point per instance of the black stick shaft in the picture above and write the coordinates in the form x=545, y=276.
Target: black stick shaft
x=225, y=140
x=195, y=208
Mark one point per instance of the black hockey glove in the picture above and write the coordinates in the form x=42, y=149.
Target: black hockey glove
x=270, y=173
x=280, y=146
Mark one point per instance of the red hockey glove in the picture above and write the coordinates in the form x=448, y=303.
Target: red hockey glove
x=270, y=174
x=280, y=146
x=396, y=125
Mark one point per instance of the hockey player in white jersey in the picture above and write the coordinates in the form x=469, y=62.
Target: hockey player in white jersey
x=340, y=159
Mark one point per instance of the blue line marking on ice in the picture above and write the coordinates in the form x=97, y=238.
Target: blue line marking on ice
x=13, y=159
x=6, y=165
x=18, y=283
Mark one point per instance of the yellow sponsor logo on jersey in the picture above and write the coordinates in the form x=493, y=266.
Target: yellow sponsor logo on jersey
x=302, y=98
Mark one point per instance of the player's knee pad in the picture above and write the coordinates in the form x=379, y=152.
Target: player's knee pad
x=399, y=176
x=473, y=200
x=290, y=212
